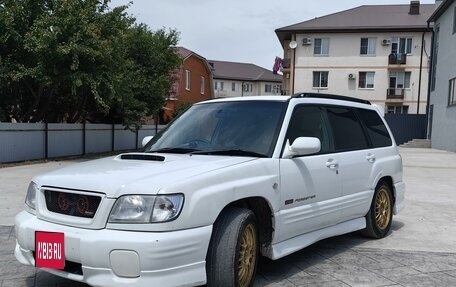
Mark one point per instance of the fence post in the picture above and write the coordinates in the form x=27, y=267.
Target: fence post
x=84, y=137
x=46, y=140
x=112, y=138
x=137, y=140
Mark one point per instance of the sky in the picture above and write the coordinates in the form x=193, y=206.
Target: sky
x=236, y=30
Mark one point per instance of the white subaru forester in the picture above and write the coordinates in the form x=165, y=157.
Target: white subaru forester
x=227, y=181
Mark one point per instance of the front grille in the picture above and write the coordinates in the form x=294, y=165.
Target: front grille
x=73, y=204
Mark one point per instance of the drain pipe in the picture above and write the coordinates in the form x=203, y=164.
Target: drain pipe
x=421, y=72
x=431, y=63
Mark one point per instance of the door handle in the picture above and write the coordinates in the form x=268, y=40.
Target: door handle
x=370, y=158
x=332, y=164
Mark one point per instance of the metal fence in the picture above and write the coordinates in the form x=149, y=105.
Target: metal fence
x=24, y=141
x=406, y=127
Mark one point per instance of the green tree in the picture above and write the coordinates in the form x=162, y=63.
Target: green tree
x=79, y=59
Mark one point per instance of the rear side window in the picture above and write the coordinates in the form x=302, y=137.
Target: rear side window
x=347, y=131
x=376, y=129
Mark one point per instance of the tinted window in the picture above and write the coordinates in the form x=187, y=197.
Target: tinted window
x=308, y=121
x=244, y=125
x=376, y=129
x=347, y=130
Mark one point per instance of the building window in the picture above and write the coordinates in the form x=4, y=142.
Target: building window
x=366, y=80
x=247, y=87
x=454, y=21
x=320, y=79
x=233, y=87
x=399, y=80
x=267, y=88
x=222, y=86
x=187, y=80
x=215, y=85
x=452, y=96
x=434, y=57
x=202, y=85
x=368, y=46
x=401, y=45
x=276, y=89
x=390, y=109
x=321, y=46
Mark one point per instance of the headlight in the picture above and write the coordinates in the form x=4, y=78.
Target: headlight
x=30, y=199
x=146, y=209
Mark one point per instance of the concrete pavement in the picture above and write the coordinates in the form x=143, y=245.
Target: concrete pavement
x=420, y=250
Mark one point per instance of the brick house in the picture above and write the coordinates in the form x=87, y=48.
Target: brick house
x=194, y=83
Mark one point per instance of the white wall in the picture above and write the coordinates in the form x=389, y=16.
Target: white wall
x=344, y=58
x=444, y=116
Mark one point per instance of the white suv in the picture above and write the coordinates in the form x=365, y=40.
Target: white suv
x=228, y=180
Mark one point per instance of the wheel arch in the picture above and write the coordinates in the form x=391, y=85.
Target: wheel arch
x=263, y=213
x=389, y=181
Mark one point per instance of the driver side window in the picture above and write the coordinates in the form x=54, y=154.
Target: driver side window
x=308, y=121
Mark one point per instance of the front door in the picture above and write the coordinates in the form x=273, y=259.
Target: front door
x=309, y=184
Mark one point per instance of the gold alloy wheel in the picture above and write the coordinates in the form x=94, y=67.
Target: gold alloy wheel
x=383, y=208
x=247, y=256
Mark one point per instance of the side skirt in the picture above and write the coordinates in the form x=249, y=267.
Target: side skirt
x=294, y=244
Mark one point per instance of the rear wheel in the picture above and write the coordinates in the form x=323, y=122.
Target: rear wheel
x=233, y=251
x=380, y=215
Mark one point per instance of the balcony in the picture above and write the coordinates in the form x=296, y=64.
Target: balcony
x=397, y=59
x=395, y=94
x=286, y=63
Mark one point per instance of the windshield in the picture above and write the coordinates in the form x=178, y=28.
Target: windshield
x=244, y=128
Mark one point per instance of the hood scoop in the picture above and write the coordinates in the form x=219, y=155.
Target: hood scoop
x=142, y=156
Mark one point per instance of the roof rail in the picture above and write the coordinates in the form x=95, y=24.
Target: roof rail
x=330, y=96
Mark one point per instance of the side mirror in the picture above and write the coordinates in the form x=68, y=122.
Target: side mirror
x=146, y=140
x=302, y=146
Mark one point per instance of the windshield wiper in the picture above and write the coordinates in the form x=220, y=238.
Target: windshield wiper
x=232, y=152
x=179, y=150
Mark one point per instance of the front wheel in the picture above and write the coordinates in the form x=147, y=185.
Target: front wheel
x=233, y=251
x=380, y=215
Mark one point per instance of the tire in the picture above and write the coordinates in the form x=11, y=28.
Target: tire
x=232, y=256
x=380, y=215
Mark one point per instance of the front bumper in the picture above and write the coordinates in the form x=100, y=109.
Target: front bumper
x=122, y=258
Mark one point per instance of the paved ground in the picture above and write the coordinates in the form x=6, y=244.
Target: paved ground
x=420, y=251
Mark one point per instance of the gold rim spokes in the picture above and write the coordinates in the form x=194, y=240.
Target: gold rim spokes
x=247, y=256
x=383, y=208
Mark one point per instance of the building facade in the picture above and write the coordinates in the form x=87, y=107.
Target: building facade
x=378, y=53
x=443, y=77
x=233, y=79
x=193, y=83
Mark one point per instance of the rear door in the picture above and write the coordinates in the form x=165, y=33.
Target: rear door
x=357, y=158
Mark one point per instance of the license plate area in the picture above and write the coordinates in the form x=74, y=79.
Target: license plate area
x=49, y=250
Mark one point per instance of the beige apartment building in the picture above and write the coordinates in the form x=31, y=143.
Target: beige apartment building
x=378, y=53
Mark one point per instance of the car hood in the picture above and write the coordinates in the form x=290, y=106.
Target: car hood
x=134, y=173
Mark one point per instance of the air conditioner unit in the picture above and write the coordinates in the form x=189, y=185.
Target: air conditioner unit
x=351, y=76
x=386, y=42
x=307, y=41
